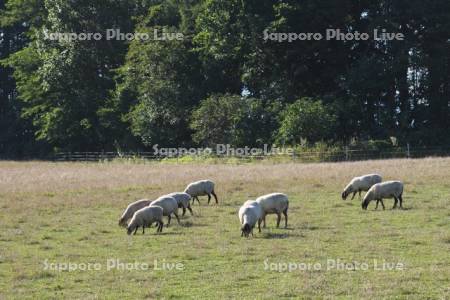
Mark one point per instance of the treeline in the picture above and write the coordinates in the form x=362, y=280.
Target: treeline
x=222, y=82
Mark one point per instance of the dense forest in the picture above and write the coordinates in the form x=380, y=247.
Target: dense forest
x=224, y=81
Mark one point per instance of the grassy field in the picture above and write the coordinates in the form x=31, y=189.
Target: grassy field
x=67, y=213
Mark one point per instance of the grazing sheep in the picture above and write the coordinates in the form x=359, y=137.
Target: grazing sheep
x=361, y=183
x=169, y=206
x=275, y=203
x=131, y=209
x=250, y=213
x=201, y=188
x=145, y=217
x=388, y=189
x=183, y=200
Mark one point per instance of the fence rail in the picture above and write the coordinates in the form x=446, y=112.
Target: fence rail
x=300, y=156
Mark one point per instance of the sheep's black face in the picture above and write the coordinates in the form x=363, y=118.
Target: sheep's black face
x=129, y=230
x=344, y=195
x=246, y=229
x=364, y=205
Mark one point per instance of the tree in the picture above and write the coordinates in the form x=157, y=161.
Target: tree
x=305, y=119
x=235, y=120
x=161, y=81
x=16, y=133
x=63, y=84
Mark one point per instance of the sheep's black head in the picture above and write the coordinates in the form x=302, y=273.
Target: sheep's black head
x=365, y=203
x=344, y=195
x=122, y=222
x=129, y=230
x=246, y=229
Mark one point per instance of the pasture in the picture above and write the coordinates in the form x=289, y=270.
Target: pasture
x=68, y=212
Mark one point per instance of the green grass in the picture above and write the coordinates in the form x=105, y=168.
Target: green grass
x=79, y=225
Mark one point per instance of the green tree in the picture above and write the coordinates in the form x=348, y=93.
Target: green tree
x=64, y=84
x=161, y=81
x=305, y=119
x=234, y=120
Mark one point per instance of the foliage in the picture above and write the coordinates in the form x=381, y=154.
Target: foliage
x=305, y=119
x=115, y=94
x=234, y=120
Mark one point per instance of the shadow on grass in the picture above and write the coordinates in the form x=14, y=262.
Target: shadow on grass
x=154, y=233
x=272, y=235
x=168, y=233
x=388, y=209
x=192, y=224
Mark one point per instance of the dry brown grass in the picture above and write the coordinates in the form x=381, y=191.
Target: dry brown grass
x=48, y=177
x=40, y=184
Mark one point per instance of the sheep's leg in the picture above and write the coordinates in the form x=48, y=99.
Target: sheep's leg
x=209, y=198
x=395, y=203
x=184, y=211
x=376, y=207
x=382, y=204
x=178, y=219
x=143, y=229
x=215, y=197
x=401, y=201
x=190, y=210
x=278, y=220
x=354, y=194
x=259, y=225
x=135, y=230
x=264, y=221
x=285, y=217
x=196, y=198
x=160, y=226
x=168, y=217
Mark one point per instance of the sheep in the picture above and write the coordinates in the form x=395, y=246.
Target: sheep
x=250, y=213
x=169, y=206
x=183, y=200
x=387, y=189
x=145, y=217
x=201, y=188
x=131, y=209
x=275, y=203
x=361, y=183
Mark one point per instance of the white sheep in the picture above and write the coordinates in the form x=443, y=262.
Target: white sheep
x=388, y=189
x=361, y=183
x=249, y=214
x=145, y=217
x=169, y=206
x=275, y=203
x=201, y=188
x=131, y=209
x=183, y=200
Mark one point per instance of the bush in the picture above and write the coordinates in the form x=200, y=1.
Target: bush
x=235, y=120
x=305, y=119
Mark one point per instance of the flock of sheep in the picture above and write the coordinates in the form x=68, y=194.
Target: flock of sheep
x=376, y=190
x=143, y=213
